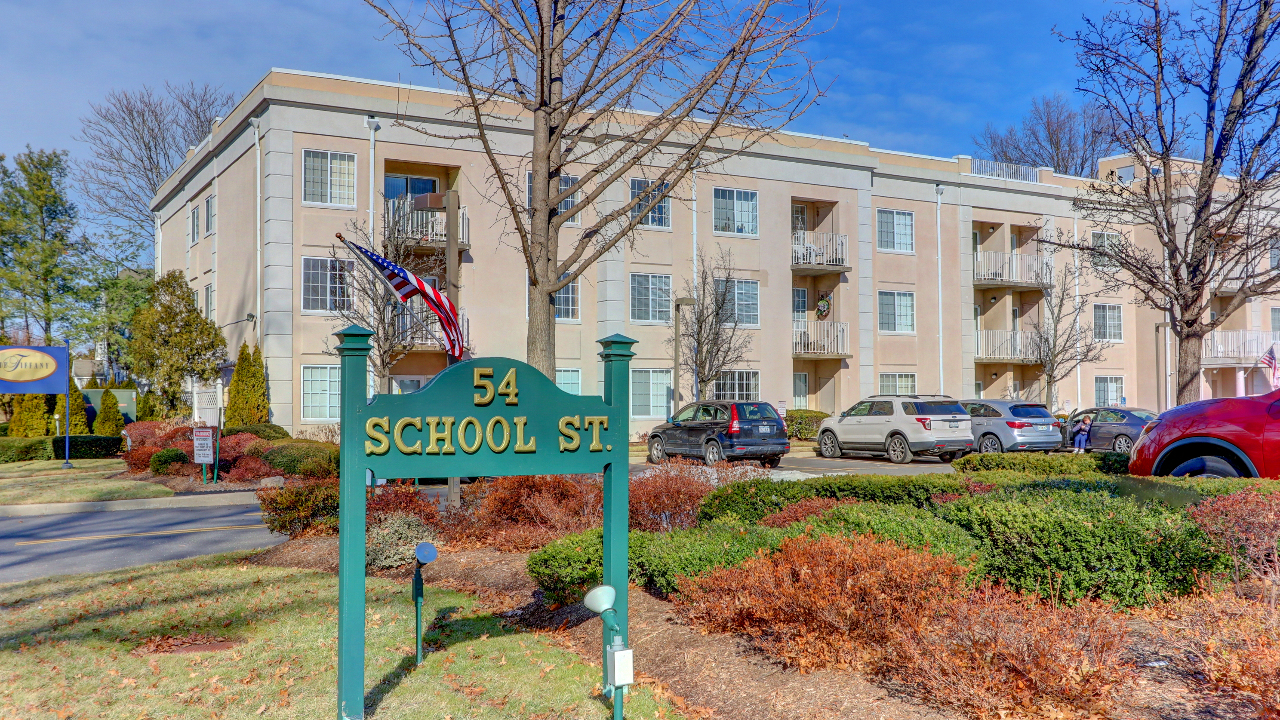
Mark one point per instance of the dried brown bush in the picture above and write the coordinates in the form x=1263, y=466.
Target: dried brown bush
x=523, y=512
x=1245, y=526
x=249, y=468
x=795, y=512
x=667, y=496
x=401, y=499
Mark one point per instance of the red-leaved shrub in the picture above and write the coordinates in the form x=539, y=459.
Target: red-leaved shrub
x=1245, y=526
x=401, y=499
x=795, y=512
x=909, y=616
x=523, y=513
x=667, y=497
x=183, y=470
x=188, y=447
x=182, y=432
x=145, y=432
x=248, y=468
x=232, y=447
x=139, y=458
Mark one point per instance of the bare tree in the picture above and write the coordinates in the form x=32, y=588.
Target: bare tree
x=1061, y=339
x=1195, y=101
x=713, y=339
x=1053, y=134
x=397, y=327
x=136, y=138
x=622, y=100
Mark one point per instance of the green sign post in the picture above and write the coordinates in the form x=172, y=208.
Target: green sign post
x=484, y=417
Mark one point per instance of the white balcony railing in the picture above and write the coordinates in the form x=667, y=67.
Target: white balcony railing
x=819, y=248
x=990, y=266
x=1238, y=345
x=819, y=337
x=1005, y=171
x=428, y=227
x=1005, y=345
x=427, y=332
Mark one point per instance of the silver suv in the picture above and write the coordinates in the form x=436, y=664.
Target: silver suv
x=899, y=426
x=1009, y=425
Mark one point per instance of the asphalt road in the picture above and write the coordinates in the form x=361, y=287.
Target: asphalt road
x=856, y=464
x=33, y=547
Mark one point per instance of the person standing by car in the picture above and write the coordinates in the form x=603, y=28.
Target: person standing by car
x=1081, y=432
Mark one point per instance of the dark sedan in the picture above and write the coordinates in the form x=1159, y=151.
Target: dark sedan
x=1113, y=428
x=722, y=430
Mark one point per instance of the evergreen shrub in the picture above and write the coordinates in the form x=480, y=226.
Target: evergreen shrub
x=4, y=429
x=30, y=416
x=803, y=424
x=1037, y=463
x=660, y=560
x=294, y=508
x=266, y=431
x=247, y=394
x=161, y=460
x=302, y=458
x=391, y=542
x=18, y=449
x=79, y=417
x=565, y=569
x=109, y=420
x=84, y=447
x=907, y=526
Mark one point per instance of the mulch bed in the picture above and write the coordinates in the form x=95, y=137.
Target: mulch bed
x=720, y=676
x=180, y=484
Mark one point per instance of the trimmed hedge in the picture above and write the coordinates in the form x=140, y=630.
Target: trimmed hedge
x=312, y=459
x=1112, y=463
x=83, y=447
x=1068, y=545
x=266, y=431
x=659, y=560
x=751, y=500
x=909, y=527
x=1037, y=463
x=803, y=424
x=567, y=568
x=17, y=449
x=161, y=461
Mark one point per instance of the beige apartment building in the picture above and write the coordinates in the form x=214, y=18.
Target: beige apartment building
x=858, y=270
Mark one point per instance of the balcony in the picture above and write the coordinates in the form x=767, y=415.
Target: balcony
x=819, y=253
x=1224, y=348
x=1005, y=171
x=427, y=228
x=1005, y=346
x=426, y=335
x=1004, y=269
x=820, y=339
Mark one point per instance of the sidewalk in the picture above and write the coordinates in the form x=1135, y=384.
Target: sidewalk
x=177, y=501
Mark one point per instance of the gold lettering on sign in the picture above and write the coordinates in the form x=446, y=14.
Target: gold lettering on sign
x=521, y=445
x=469, y=448
x=596, y=423
x=477, y=378
x=371, y=429
x=569, y=438
x=398, y=435
x=446, y=435
x=508, y=387
x=506, y=434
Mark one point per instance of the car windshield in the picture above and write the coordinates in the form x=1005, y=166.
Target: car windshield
x=756, y=411
x=933, y=407
x=1030, y=411
x=1143, y=415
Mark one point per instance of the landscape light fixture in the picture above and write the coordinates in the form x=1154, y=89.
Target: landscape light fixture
x=619, y=662
x=423, y=554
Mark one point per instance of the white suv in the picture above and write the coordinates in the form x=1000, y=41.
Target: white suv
x=899, y=426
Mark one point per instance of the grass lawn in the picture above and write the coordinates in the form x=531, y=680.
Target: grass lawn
x=65, y=650
x=44, y=481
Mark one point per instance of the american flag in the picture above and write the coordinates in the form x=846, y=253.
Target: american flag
x=406, y=285
x=1269, y=359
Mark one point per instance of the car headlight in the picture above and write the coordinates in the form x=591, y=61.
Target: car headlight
x=1151, y=425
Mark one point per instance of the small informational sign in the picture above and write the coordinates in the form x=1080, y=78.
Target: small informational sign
x=203, y=439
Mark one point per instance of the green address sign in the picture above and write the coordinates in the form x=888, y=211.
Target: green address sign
x=485, y=417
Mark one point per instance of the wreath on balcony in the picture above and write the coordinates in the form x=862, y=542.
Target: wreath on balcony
x=824, y=306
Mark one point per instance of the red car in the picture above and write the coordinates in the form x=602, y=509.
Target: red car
x=1223, y=437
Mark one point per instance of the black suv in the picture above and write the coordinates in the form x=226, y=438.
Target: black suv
x=722, y=430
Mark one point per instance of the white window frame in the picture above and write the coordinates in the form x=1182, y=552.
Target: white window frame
x=569, y=377
x=737, y=312
x=1101, y=238
x=730, y=385
x=656, y=314
x=1118, y=326
x=1108, y=380
x=662, y=211
x=566, y=181
x=333, y=406
x=898, y=296
x=799, y=304
x=901, y=383
x=658, y=407
x=209, y=301
x=1275, y=319
x=349, y=268
x=210, y=216
x=799, y=382
x=741, y=201
x=355, y=180
x=573, y=295
x=895, y=243
x=193, y=224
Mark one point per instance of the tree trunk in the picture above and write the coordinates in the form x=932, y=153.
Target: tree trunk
x=540, y=346
x=1049, y=387
x=1189, y=352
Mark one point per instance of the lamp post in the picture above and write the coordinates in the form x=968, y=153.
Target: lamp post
x=675, y=355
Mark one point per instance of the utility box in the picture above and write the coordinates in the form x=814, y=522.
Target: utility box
x=127, y=400
x=621, y=667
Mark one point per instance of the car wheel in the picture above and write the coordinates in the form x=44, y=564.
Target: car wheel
x=1208, y=466
x=712, y=453
x=828, y=445
x=947, y=457
x=772, y=462
x=1122, y=444
x=990, y=444
x=898, y=450
x=657, y=449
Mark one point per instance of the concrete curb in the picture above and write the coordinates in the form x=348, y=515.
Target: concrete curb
x=182, y=501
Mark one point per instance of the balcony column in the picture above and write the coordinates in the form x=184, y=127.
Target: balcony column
x=1240, y=389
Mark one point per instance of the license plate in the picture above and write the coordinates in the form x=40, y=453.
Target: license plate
x=764, y=430
x=954, y=424
x=1045, y=428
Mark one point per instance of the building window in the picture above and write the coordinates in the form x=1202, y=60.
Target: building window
x=1105, y=240
x=329, y=178
x=660, y=215
x=1275, y=319
x=566, y=299
x=897, y=311
x=194, y=231
x=321, y=392
x=735, y=211
x=208, y=302
x=800, y=391
x=209, y=215
x=650, y=393
x=895, y=230
x=742, y=301
x=799, y=304
x=738, y=385
x=1275, y=254
x=650, y=297
x=395, y=187
x=799, y=218
x=1107, y=323
x=566, y=182
x=897, y=383
x=324, y=284
x=569, y=380
x=1108, y=391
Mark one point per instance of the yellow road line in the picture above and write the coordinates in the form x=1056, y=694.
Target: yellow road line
x=141, y=534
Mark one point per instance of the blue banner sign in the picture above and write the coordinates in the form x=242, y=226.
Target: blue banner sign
x=25, y=370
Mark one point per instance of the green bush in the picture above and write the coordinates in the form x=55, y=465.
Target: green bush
x=803, y=424
x=4, y=429
x=908, y=526
x=752, y=499
x=17, y=449
x=1073, y=545
x=1038, y=463
x=660, y=559
x=84, y=447
x=1212, y=487
x=312, y=459
x=166, y=457
x=30, y=416
x=391, y=542
x=266, y=431
x=79, y=415
x=109, y=420
x=1112, y=463
x=294, y=508
x=893, y=489
x=565, y=569
x=248, y=392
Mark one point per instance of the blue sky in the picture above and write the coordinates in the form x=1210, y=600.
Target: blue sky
x=907, y=75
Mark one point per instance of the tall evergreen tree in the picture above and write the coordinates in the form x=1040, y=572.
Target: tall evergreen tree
x=146, y=407
x=79, y=418
x=172, y=341
x=247, y=404
x=92, y=383
x=30, y=416
x=109, y=421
